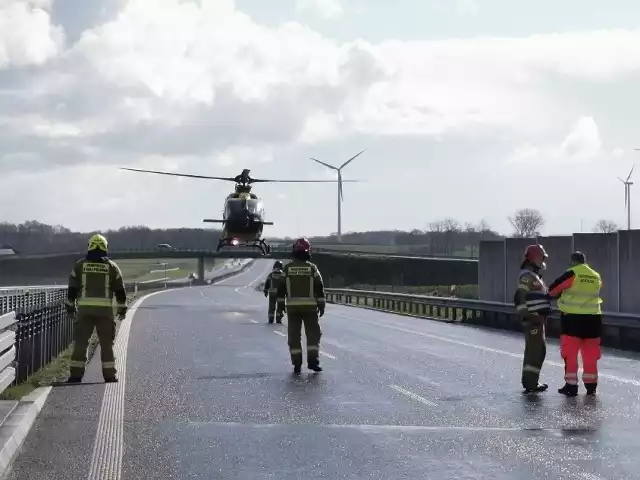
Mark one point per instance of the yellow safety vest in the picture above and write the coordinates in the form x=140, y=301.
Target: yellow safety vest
x=584, y=295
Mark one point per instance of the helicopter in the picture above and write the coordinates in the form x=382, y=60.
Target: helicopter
x=243, y=217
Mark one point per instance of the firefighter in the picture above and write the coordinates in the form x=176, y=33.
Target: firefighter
x=533, y=306
x=579, y=302
x=303, y=289
x=93, y=283
x=271, y=290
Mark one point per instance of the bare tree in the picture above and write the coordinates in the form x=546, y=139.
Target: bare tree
x=527, y=223
x=605, y=226
x=451, y=229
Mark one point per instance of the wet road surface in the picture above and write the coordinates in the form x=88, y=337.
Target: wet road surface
x=208, y=394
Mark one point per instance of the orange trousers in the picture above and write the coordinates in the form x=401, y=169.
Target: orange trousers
x=590, y=350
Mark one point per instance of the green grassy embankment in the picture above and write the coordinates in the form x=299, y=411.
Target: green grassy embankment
x=142, y=270
x=392, y=249
x=463, y=291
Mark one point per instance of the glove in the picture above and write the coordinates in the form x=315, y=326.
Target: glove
x=266, y=294
x=121, y=311
x=320, y=311
x=71, y=309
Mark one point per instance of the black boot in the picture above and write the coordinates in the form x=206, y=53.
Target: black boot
x=591, y=388
x=297, y=368
x=111, y=380
x=569, y=390
x=73, y=379
x=540, y=388
x=314, y=365
x=270, y=319
x=279, y=319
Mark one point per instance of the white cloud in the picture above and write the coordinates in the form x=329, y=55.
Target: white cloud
x=27, y=36
x=327, y=9
x=201, y=86
x=583, y=141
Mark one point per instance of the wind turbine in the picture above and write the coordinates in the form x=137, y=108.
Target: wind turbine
x=627, y=196
x=340, y=195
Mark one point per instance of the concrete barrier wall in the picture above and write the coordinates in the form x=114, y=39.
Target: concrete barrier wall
x=629, y=270
x=616, y=256
x=513, y=257
x=491, y=275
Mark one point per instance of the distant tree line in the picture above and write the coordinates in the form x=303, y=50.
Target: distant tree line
x=440, y=237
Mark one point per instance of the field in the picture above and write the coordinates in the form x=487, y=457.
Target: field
x=388, y=249
x=140, y=270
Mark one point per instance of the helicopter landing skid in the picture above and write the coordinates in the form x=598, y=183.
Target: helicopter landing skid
x=263, y=246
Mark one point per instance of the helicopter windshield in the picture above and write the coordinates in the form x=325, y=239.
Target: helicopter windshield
x=240, y=206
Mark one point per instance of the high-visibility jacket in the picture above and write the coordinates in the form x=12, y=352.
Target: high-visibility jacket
x=580, y=287
x=273, y=281
x=531, y=294
x=94, y=283
x=303, y=287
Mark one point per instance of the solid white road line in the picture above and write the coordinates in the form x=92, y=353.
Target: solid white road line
x=279, y=333
x=106, y=459
x=328, y=355
x=413, y=396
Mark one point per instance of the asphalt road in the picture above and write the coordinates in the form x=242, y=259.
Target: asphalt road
x=209, y=395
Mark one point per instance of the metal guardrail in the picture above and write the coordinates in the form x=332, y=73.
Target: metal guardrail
x=35, y=327
x=620, y=330
x=7, y=350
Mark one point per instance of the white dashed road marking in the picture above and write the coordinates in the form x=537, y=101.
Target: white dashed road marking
x=413, y=396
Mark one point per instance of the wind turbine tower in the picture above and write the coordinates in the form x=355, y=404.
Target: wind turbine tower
x=340, y=195
x=627, y=196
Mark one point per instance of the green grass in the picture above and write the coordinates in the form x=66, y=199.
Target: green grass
x=389, y=249
x=138, y=270
x=463, y=291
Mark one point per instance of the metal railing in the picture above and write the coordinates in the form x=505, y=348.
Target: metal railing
x=620, y=330
x=35, y=327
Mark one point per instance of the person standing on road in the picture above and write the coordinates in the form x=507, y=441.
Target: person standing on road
x=303, y=289
x=93, y=283
x=579, y=302
x=274, y=279
x=533, y=306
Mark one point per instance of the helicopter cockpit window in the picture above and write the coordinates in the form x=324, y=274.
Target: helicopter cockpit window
x=237, y=206
x=254, y=206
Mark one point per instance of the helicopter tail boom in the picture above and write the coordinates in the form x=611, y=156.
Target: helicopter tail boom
x=267, y=223
x=210, y=220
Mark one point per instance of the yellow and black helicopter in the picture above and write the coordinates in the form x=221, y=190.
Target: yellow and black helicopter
x=243, y=215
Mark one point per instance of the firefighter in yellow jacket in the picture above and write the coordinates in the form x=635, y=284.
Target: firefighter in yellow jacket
x=93, y=283
x=275, y=278
x=304, y=292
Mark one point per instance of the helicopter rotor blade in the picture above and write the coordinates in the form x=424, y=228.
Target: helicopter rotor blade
x=300, y=181
x=324, y=163
x=228, y=179
x=351, y=159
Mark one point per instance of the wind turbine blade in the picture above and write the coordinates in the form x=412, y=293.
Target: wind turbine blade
x=621, y=180
x=351, y=160
x=323, y=163
x=630, y=173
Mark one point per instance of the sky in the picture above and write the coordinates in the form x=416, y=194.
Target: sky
x=467, y=109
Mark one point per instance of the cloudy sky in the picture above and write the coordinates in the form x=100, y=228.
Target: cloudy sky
x=467, y=108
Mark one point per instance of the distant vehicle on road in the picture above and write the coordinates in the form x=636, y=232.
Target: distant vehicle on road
x=164, y=246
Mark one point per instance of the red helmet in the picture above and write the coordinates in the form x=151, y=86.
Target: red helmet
x=535, y=253
x=302, y=245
